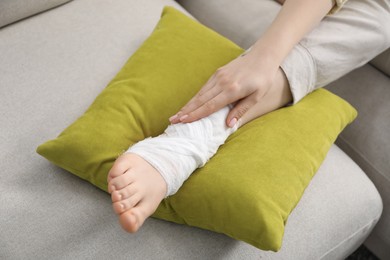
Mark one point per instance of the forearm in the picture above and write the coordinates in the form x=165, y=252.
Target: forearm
x=294, y=21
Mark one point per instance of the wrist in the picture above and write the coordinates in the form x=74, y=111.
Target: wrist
x=265, y=55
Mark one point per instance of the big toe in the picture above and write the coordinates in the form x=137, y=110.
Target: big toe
x=130, y=221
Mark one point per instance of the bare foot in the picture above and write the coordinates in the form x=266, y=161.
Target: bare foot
x=136, y=189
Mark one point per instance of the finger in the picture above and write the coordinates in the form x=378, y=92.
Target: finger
x=211, y=106
x=191, y=105
x=204, y=91
x=239, y=110
x=200, y=101
x=208, y=85
x=194, y=102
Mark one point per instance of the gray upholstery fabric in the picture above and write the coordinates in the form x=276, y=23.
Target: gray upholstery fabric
x=53, y=65
x=367, y=140
x=243, y=27
x=382, y=62
x=14, y=10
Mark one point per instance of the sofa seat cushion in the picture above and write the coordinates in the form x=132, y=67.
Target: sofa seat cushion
x=15, y=10
x=367, y=139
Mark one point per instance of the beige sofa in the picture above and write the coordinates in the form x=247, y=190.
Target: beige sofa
x=52, y=67
x=367, y=140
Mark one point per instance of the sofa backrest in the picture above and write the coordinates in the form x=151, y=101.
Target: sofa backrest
x=382, y=62
x=15, y=10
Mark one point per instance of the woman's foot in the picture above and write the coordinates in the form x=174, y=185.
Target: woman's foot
x=136, y=189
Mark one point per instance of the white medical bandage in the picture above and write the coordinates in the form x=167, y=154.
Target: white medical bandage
x=184, y=147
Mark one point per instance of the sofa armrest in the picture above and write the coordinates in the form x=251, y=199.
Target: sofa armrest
x=15, y=10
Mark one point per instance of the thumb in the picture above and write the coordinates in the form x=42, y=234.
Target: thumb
x=239, y=110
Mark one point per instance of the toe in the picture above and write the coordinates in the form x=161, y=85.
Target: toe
x=129, y=221
x=126, y=204
x=124, y=193
x=118, y=207
x=117, y=196
x=121, y=165
x=120, y=182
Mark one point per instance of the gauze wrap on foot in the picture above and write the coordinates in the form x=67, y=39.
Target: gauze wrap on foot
x=184, y=147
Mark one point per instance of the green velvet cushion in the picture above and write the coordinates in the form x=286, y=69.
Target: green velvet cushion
x=248, y=189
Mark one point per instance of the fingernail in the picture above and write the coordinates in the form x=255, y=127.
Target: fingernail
x=173, y=118
x=183, y=117
x=232, y=122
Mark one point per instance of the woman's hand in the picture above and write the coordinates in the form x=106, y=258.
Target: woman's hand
x=245, y=80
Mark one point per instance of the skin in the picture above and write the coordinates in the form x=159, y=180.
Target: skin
x=248, y=78
x=253, y=82
x=136, y=190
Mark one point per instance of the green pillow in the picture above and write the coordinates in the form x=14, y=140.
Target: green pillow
x=248, y=189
